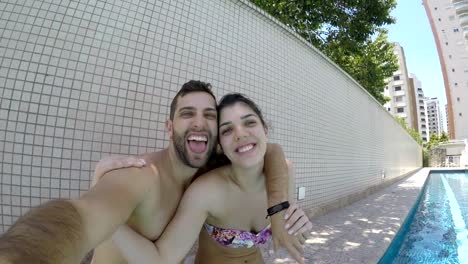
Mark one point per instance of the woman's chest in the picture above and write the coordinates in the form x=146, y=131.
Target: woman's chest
x=243, y=211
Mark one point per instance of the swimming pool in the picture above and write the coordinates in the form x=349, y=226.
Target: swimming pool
x=436, y=229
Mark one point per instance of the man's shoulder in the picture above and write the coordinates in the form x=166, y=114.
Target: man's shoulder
x=133, y=175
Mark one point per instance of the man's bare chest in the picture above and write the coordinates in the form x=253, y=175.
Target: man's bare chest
x=152, y=217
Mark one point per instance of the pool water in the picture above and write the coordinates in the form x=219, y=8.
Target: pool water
x=436, y=231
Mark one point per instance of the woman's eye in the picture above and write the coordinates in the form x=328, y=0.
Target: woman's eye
x=226, y=131
x=251, y=123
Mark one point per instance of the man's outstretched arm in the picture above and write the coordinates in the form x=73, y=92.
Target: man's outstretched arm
x=34, y=237
x=65, y=231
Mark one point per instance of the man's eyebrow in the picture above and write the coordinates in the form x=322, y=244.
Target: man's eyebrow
x=210, y=109
x=186, y=108
x=191, y=108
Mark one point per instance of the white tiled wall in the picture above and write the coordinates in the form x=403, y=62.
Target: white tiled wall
x=83, y=79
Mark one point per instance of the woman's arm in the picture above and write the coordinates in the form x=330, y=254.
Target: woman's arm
x=134, y=247
x=276, y=173
x=277, y=176
x=179, y=236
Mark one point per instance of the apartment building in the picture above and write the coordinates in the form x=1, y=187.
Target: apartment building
x=449, y=23
x=420, y=106
x=401, y=92
x=434, y=116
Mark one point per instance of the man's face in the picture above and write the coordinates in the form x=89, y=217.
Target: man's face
x=194, y=128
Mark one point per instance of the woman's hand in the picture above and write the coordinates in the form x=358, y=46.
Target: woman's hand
x=297, y=222
x=115, y=162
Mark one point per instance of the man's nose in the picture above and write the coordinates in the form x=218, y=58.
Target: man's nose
x=198, y=121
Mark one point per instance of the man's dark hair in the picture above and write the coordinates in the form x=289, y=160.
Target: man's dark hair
x=190, y=87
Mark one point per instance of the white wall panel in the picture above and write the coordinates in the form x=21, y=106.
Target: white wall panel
x=82, y=79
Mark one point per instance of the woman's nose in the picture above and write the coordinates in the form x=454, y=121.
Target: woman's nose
x=240, y=133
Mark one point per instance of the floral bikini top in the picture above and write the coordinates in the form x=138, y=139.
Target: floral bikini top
x=235, y=238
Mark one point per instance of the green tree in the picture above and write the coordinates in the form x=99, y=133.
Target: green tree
x=349, y=32
x=412, y=132
x=435, y=140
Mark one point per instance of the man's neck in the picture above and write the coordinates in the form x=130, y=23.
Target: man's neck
x=179, y=171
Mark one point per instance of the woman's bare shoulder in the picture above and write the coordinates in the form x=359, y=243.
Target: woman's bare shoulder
x=216, y=178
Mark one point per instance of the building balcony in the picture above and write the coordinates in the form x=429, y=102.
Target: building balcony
x=402, y=115
x=464, y=21
x=399, y=93
x=400, y=104
x=461, y=7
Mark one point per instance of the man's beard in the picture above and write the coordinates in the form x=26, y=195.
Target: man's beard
x=182, y=152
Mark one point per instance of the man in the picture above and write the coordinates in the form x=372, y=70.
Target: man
x=144, y=198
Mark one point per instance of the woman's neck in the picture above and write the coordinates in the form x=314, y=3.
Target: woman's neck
x=247, y=178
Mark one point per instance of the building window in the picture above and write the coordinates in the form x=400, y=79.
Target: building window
x=458, y=99
x=399, y=99
x=446, y=43
x=453, y=70
x=400, y=110
x=397, y=88
x=456, y=84
x=450, y=56
x=451, y=18
x=388, y=109
x=435, y=8
x=439, y=19
x=455, y=30
x=396, y=78
x=460, y=114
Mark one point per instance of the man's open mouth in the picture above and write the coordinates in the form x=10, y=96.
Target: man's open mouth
x=197, y=143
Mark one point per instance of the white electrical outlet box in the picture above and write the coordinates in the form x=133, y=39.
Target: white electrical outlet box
x=300, y=193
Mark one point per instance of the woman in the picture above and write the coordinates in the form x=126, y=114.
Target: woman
x=228, y=204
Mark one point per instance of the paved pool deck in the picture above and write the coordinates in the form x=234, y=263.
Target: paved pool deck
x=361, y=232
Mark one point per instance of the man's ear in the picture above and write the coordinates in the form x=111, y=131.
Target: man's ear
x=169, y=128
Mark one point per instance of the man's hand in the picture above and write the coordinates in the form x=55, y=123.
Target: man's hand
x=297, y=222
x=282, y=238
x=115, y=162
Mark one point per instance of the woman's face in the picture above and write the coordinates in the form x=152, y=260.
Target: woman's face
x=242, y=135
